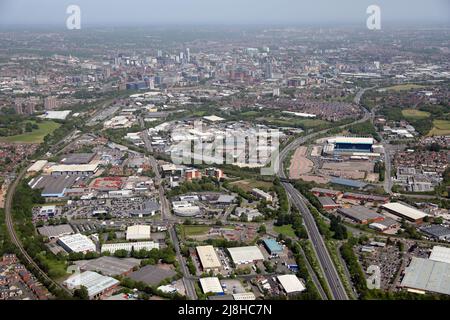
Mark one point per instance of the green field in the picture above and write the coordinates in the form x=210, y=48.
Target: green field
x=285, y=230
x=194, y=230
x=36, y=136
x=415, y=114
x=306, y=123
x=440, y=128
x=249, y=184
x=406, y=86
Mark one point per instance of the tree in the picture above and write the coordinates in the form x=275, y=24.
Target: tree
x=262, y=229
x=81, y=293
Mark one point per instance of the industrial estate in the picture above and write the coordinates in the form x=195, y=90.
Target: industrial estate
x=119, y=181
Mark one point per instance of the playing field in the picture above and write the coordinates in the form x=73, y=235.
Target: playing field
x=415, y=114
x=285, y=230
x=406, y=86
x=194, y=230
x=248, y=185
x=440, y=128
x=36, y=136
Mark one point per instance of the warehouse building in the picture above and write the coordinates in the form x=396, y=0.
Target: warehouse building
x=37, y=166
x=55, y=232
x=348, y=183
x=77, y=243
x=211, y=285
x=441, y=254
x=97, y=285
x=272, y=246
x=245, y=255
x=328, y=203
x=365, y=197
x=424, y=275
x=290, y=283
x=436, y=231
x=78, y=158
x=74, y=169
x=361, y=214
x=109, y=266
x=208, y=258
x=128, y=246
x=52, y=186
x=138, y=232
x=403, y=211
x=326, y=192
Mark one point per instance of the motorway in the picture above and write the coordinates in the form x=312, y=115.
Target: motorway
x=329, y=270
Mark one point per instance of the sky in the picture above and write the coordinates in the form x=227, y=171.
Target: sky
x=199, y=12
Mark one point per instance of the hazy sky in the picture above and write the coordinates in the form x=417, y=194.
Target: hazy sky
x=120, y=12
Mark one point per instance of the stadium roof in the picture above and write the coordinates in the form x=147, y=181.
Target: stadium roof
x=401, y=209
x=208, y=257
x=353, y=140
x=427, y=275
x=248, y=254
x=291, y=283
x=211, y=284
x=441, y=254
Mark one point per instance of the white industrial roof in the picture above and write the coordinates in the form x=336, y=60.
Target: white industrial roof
x=213, y=118
x=427, y=275
x=94, y=282
x=247, y=254
x=77, y=243
x=405, y=210
x=74, y=167
x=208, y=257
x=37, y=166
x=244, y=296
x=113, y=247
x=291, y=283
x=138, y=232
x=211, y=284
x=440, y=253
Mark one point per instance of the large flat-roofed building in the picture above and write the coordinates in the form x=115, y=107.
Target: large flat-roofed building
x=365, y=197
x=351, y=144
x=97, y=285
x=211, y=285
x=424, y=275
x=52, y=186
x=74, y=169
x=361, y=214
x=437, y=232
x=77, y=243
x=37, y=166
x=128, y=246
x=272, y=246
x=109, y=266
x=55, y=232
x=291, y=284
x=138, y=232
x=208, y=258
x=403, y=211
x=441, y=254
x=78, y=158
x=328, y=203
x=245, y=255
x=326, y=192
x=260, y=194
